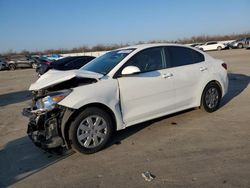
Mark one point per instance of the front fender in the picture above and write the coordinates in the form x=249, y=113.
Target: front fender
x=104, y=92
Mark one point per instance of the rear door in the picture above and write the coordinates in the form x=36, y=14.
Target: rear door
x=147, y=94
x=189, y=72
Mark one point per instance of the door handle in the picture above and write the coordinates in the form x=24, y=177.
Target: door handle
x=203, y=69
x=167, y=75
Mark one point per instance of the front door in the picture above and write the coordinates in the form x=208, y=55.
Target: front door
x=147, y=94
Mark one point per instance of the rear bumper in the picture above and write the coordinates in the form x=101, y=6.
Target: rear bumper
x=43, y=129
x=226, y=84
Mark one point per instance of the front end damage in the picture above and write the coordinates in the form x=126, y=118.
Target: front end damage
x=43, y=128
x=47, y=119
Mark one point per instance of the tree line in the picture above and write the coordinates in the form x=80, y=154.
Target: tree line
x=103, y=47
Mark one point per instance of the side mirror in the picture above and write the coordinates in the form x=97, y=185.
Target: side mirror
x=130, y=70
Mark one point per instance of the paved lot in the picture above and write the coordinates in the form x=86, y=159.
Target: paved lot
x=188, y=149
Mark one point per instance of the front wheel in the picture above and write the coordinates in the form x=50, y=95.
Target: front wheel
x=219, y=48
x=91, y=130
x=211, y=97
x=12, y=67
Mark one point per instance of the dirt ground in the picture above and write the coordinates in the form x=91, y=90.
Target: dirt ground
x=188, y=149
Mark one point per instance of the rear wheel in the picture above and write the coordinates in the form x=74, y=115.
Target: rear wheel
x=12, y=67
x=240, y=45
x=91, y=130
x=211, y=97
x=219, y=48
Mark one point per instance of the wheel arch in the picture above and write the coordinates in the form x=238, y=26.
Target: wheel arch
x=72, y=114
x=203, y=89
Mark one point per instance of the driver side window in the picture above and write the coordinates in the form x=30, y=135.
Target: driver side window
x=147, y=60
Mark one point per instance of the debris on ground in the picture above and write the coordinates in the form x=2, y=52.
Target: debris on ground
x=194, y=179
x=100, y=176
x=148, y=176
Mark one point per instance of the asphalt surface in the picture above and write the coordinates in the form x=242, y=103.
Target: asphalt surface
x=188, y=149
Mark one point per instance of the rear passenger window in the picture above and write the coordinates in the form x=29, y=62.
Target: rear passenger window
x=179, y=56
x=197, y=56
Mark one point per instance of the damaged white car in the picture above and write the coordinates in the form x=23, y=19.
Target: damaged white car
x=81, y=109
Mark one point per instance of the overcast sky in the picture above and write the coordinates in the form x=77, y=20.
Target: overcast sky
x=46, y=24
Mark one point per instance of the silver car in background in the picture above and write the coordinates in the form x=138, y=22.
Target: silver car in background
x=240, y=43
x=3, y=65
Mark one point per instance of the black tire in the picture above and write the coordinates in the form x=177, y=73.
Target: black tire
x=240, y=46
x=74, y=130
x=12, y=66
x=219, y=48
x=202, y=49
x=213, y=103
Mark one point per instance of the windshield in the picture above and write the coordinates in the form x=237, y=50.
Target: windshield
x=105, y=63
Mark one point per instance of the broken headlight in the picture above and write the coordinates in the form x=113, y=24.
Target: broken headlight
x=49, y=102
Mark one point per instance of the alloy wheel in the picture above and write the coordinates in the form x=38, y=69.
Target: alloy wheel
x=212, y=97
x=92, y=131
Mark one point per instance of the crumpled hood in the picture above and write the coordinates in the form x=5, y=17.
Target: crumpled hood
x=53, y=77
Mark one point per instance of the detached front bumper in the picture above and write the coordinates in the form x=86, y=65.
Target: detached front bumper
x=44, y=128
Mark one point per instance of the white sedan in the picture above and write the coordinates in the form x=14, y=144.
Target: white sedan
x=82, y=108
x=212, y=46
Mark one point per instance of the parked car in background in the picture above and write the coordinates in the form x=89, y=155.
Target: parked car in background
x=195, y=44
x=43, y=66
x=198, y=45
x=67, y=63
x=212, y=45
x=82, y=108
x=36, y=58
x=21, y=62
x=72, y=63
x=3, y=65
x=240, y=43
x=248, y=44
x=53, y=57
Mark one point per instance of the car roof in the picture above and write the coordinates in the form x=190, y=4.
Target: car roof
x=150, y=45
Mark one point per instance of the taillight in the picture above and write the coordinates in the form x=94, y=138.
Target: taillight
x=224, y=65
x=47, y=63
